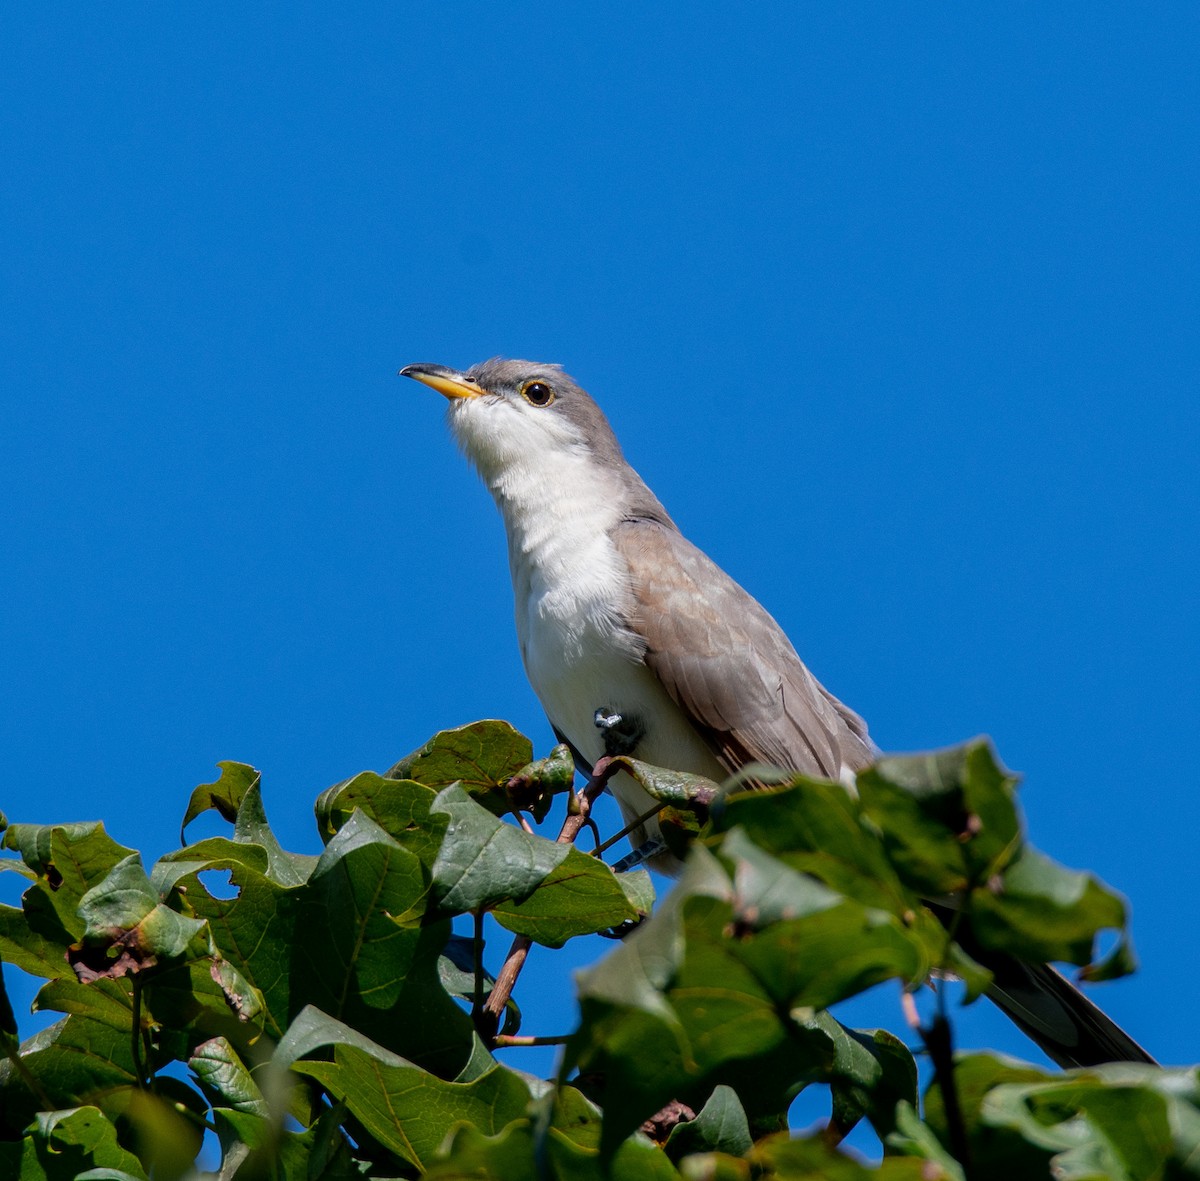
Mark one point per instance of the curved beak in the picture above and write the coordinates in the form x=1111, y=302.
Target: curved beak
x=448, y=382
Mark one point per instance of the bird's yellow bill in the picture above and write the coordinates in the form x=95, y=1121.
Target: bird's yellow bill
x=445, y=381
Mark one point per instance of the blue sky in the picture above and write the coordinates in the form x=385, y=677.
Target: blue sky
x=894, y=308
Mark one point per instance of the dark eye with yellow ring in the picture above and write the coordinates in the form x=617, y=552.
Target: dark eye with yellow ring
x=537, y=393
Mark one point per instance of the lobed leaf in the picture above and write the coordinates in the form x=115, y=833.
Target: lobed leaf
x=1117, y=1121
x=68, y=860
x=1041, y=910
x=579, y=896
x=401, y=807
x=407, y=1109
x=482, y=860
x=482, y=757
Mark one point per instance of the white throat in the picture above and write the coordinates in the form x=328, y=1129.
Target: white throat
x=566, y=575
x=559, y=505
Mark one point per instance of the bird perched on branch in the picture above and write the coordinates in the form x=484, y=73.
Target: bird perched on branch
x=637, y=643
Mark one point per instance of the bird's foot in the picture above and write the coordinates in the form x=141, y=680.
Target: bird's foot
x=644, y=852
x=621, y=732
x=622, y=930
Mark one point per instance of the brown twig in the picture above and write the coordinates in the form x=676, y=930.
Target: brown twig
x=939, y=1044
x=577, y=818
x=507, y=1041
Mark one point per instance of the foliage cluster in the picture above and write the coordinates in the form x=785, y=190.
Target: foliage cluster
x=322, y=1019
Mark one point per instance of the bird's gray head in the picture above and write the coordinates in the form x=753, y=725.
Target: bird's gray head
x=535, y=436
x=515, y=412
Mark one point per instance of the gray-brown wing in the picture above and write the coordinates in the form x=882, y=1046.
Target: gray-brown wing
x=729, y=665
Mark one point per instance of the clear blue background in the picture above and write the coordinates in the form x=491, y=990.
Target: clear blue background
x=894, y=307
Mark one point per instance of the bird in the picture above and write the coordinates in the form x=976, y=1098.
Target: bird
x=637, y=643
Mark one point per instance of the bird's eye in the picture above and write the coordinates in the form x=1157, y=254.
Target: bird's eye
x=537, y=393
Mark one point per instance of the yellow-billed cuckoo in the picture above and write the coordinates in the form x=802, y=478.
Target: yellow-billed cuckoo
x=637, y=643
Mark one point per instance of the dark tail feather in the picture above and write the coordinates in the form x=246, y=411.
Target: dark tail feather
x=1056, y=1015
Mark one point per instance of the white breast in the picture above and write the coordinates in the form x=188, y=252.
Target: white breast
x=570, y=591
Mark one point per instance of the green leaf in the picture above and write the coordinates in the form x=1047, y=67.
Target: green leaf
x=516, y=1152
x=719, y=1126
x=69, y=1143
x=375, y=965
x=213, y=853
x=812, y=947
x=107, y=1001
x=1121, y=1121
x=205, y=998
x=405, y=1108
x=727, y=973
x=533, y=788
x=255, y=1147
x=224, y=795
x=75, y=1061
x=237, y=796
x=127, y=928
x=219, y=1067
x=482, y=757
x=783, y=1158
x=253, y=932
x=948, y=819
x=468, y=1152
x=167, y=1140
x=871, y=1072
x=484, y=861
x=251, y=827
x=816, y=828
x=916, y=1145
x=399, y=807
x=1040, y=910
x=409, y=1110
x=579, y=896
x=681, y=788
x=998, y=1152
x=638, y=888
x=22, y=946
x=68, y=859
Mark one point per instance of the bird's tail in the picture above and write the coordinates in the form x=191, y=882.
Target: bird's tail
x=1056, y=1015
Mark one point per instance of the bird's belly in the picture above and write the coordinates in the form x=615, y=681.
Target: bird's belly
x=604, y=675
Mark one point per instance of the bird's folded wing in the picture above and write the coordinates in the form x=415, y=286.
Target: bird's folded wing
x=729, y=665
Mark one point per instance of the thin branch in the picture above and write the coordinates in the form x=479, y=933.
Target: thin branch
x=477, y=995
x=628, y=829
x=939, y=1045
x=506, y=978
x=577, y=817
x=507, y=1041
